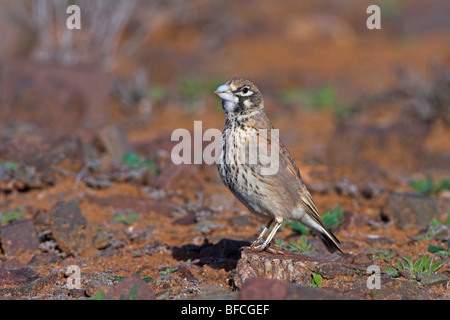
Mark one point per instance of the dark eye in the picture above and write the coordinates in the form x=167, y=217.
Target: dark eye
x=245, y=90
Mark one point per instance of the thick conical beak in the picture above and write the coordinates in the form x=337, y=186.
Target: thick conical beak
x=224, y=92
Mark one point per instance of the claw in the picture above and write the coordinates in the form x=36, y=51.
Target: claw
x=267, y=248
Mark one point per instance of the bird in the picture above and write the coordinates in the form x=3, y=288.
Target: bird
x=276, y=196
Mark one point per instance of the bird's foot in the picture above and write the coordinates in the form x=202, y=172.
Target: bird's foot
x=265, y=247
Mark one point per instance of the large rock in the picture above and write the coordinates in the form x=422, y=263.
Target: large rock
x=271, y=289
x=341, y=277
x=375, y=150
x=70, y=228
x=34, y=156
x=411, y=211
x=19, y=239
x=60, y=98
x=114, y=141
x=23, y=281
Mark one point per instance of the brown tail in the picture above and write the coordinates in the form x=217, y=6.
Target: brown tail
x=329, y=239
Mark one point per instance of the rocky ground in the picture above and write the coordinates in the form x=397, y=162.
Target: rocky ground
x=88, y=191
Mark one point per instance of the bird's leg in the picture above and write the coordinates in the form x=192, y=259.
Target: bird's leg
x=260, y=238
x=265, y=245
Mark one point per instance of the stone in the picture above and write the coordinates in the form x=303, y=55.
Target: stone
x=24, y=282
x=375, y=150
x=69, y=227
x=434, y=279
x=114, y=141
x=291, y=267
x=131, y=287
x=297, y=292
x=19, y=239
x=15, y=277
x=186, y=220
x=63, y=99
x=185, y=272
x=263, y=289
x=395, y=289
x=42, y=259
x=272, y=289
x=94, y=287
x=341, y=278
x=37, y=157
x=411, y=211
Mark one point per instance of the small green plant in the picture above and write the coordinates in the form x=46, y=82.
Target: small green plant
x=384, y=254
x=126, y=217
x=323, y=98
x=10, y=215
x=298, y=227
x=99, y=296
x=442, y=252
x=133, y=160
x=436, y=229
x=295, y=246
x=168, y=270
x=332, y=219
x=157, y=93
x=146, y=279
x=118, y=278
x=133, y=292
x=428, y=186
x=316, y=280
x=424, y=266
x=8, y=165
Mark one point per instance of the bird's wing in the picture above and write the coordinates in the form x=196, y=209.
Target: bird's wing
x=286, y=180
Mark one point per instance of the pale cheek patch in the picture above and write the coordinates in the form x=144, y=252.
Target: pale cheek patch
x=248, y=103
x=229, y=106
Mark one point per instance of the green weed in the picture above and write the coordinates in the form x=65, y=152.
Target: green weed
x=428, y=186
x=316, y=280
x=99, y=296
x=436, y=229
x=442, y=252
x=126, y=217
x=168, y=270
x=384, y=254
x=10, y=215
x=9, y=165
x=332, y=219
x=295, y=246
x=323, y=98
x=423, y=266
x=133, y=160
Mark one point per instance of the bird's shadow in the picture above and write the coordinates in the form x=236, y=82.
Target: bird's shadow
x=224, y=254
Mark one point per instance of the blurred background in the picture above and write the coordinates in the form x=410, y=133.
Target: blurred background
x=87, y=115
x=151, y=67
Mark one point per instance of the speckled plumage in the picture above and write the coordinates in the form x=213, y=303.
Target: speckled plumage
x=278, y=196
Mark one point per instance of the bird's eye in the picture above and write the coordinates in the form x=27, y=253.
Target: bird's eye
x=245, y=92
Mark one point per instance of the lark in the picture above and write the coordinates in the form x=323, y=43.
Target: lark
x=275, y=195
